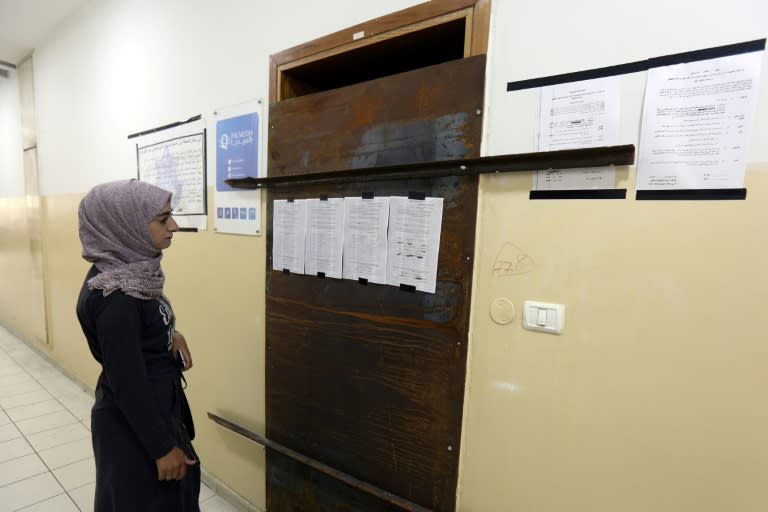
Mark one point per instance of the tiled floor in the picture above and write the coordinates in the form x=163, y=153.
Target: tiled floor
x=46, y=459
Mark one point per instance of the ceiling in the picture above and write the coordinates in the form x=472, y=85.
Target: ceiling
x=26, y=24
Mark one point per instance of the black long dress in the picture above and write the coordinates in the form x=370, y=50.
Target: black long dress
x=140, y=412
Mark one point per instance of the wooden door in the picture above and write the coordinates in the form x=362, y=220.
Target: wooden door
x=369, y=379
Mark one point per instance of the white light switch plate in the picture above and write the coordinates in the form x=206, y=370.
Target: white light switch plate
x=535, y=312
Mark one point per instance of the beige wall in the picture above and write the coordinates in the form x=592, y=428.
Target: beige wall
x=22, y=303
x=653, y=398
x=216, y=284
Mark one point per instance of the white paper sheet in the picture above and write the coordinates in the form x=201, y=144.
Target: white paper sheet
x=414, y=242
x=325, y=236
x=578, y=115
x=289, y=228
x=174, y=159
x=365, y=238
x=697, y=122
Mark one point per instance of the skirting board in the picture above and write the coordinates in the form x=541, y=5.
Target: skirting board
x=228, y=494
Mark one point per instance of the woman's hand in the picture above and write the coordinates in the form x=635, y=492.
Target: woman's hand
x=180, y=346
x=173, y=465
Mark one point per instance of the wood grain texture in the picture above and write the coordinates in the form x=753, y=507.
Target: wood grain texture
x=481, y=27
x=423, y=115
x=369, y=379
x=374, y=27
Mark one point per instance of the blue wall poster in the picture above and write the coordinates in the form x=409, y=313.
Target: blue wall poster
x=238, y=155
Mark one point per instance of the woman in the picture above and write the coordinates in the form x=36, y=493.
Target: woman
x=141, y=424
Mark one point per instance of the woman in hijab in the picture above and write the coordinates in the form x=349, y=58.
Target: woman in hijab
x=141, y=424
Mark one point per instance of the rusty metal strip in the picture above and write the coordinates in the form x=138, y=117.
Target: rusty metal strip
x=564, y=159
x=319, y=466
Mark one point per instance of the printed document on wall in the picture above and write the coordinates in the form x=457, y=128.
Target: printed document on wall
x=697, y=121
x=174, y=159
x=239, y=155
x=289, y=228
x=365, y=238
x=325, y=236
x=414, y=242
x=576, y=115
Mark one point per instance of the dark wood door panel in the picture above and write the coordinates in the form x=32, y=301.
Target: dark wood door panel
x=369, y=379
x=294, y=487
x=419, y=116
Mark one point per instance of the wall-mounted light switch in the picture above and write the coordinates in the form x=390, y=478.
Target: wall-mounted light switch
x=543, y=316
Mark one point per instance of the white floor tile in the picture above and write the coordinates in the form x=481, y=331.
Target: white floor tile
x=42, y=371
x=58, y=436
x=79, y=404
x=77, y=399
x=30, y=491
x=46, y=422
x=4, y=419
x=30, y=398
x=25, y=357
x=11, y=381
x=205, y=492
x=14, y=449
x=59, y=385
x=8, y=432
x=24, y=412
x=9, y=370
x=20, y=469
x=84, y=496
x=60, y=503
x=217, y=504
x=7, y=362
x=19, y=389
x=67, y=453
x=77, y=474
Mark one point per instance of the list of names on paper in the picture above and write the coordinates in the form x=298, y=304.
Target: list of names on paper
x=365, y=238
x=288, y=235
x=384, y=240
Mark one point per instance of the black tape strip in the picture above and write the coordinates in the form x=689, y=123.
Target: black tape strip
x=286, y=271
x=367, y=195
x=321, y=275
x=417, y=195
x=165, y=127
x=708, y=53
x=708, y=194
x=643, y=65
x=610, y=193
x=290, y=199
x=323, y=198
x=188, y=230
x=408, y=288
x=577, y=76
x=362, y=280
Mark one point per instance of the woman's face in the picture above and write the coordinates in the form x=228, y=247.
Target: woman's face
x=162, y=227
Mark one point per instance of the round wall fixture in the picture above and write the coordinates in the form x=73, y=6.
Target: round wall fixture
x=502, y=311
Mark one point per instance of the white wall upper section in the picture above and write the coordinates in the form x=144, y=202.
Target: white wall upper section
x=124, y=66
x=11, y=157
x=540, y=39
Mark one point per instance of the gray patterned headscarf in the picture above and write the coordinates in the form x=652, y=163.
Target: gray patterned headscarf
x=114, y=230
